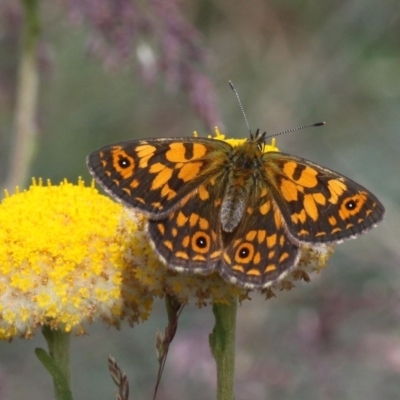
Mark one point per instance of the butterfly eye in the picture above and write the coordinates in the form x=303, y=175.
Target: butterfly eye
x=244, y=252
x=201, y=242
x=351, y=204
x=124, y=162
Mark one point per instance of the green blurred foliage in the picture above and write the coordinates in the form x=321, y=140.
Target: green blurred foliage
x=293, y=62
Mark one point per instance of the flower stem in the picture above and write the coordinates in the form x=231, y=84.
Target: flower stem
x=26, y=98
x=57, y=361
x=222, y=343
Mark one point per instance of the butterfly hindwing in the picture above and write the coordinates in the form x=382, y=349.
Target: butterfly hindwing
x=319, y=205
x=189, y=239
x=155, y=175
x=259, y=252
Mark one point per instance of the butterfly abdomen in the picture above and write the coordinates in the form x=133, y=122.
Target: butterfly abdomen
x=242, y=176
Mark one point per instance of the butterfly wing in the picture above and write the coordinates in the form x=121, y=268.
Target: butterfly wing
x=154, y=175
x=259, y=252
x=317, y=204
x=189, y=238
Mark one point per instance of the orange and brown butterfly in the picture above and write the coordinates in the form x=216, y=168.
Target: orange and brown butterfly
x=237, y=209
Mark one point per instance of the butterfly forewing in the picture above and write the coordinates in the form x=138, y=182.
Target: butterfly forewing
x=155, y=175
x=319, y=205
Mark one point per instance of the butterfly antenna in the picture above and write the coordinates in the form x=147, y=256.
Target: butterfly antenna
x=296, y=129
x=240, y=105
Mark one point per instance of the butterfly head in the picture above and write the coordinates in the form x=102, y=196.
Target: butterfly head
x=258, y=139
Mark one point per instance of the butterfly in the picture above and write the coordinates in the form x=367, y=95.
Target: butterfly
x=239, y=210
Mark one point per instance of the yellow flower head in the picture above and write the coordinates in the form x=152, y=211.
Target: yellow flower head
x=63, y=261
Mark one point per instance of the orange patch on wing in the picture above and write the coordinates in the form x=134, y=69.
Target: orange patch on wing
x=215, y=254
x=253, y=272
x=144, y=153
x=289, y=168
x=199, y=150
x=204, y=224
x=277, y=219
x=181, y=254
x=238, y=268
x=167, y=192
x=181, y=219
x=177, y=152
x=161, y=178
x=261, y=236
x=251, y=235
x=271, y=254
x=227, y=259
x=265, y=208
x=186, y=241
x=157, y=167
x=203, y=193
x=332, y=220
x=299, y=217
x=336, y=189
x=168, y=244
x=289, y=190
x=270, y=268
x=319, y=198
x=310, y=207
x=193, y=219
x=134, y=184
x=308, y=177
x=283, y=257
x=271, y=240
x=157, y=205
x=189, y=171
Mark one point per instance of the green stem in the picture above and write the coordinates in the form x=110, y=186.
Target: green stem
x=57, y=361
x=26, y=98
x=222, y=343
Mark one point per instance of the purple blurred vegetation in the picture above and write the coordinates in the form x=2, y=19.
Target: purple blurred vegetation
x=155, y=37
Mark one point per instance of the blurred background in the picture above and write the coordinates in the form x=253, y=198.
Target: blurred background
x=110, y=71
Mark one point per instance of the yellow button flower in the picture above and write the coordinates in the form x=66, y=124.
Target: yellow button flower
x=64, y=261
